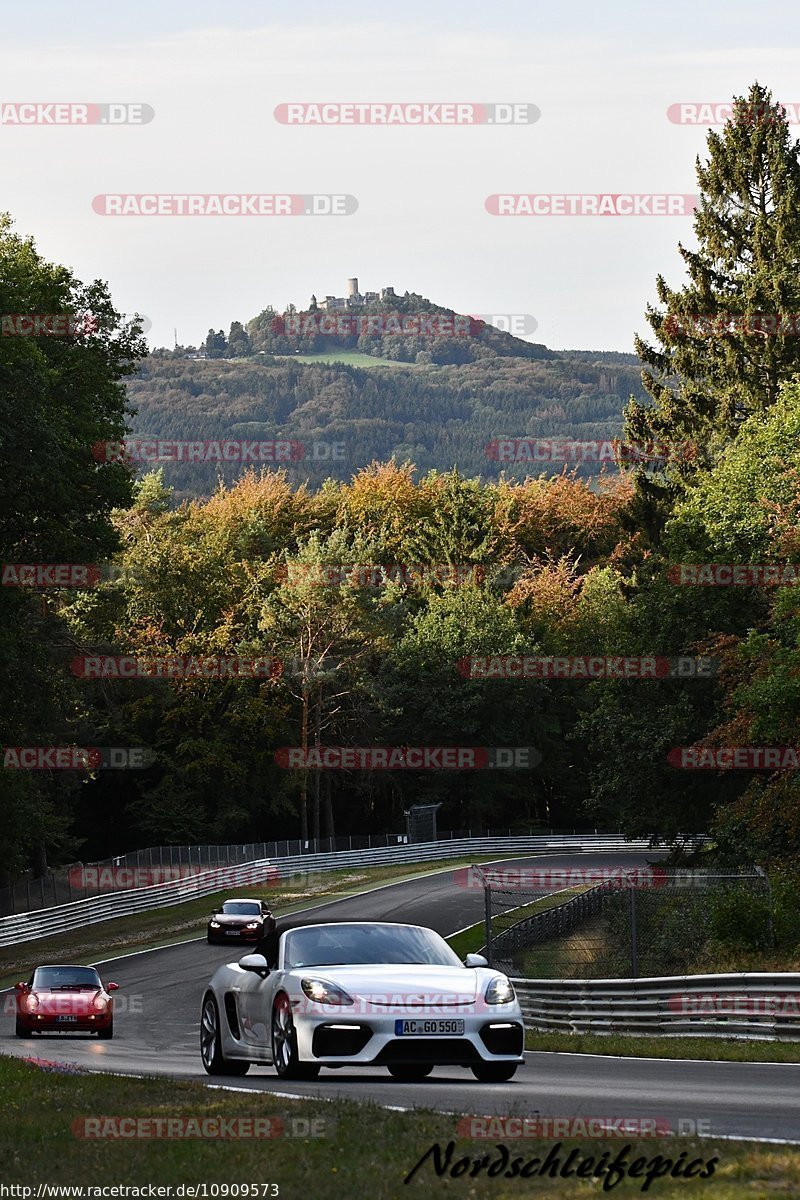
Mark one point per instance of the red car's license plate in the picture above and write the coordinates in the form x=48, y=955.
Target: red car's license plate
x=66, y=1018
x=231, y=933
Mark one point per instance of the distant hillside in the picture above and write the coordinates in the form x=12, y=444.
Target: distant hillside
x=438, y=416
x=399, y=328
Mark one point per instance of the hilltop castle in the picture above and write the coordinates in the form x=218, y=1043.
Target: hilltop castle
x=353, y=299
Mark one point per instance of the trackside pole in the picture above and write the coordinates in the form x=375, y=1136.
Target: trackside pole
x=487, y=917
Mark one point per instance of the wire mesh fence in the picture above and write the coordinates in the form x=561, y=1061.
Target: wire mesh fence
x=618, y=922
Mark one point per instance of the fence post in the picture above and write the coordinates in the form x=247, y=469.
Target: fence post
x=770, y=924
x=634, y=938
x=487, y=917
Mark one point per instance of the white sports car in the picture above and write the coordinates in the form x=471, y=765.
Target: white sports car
x=360, y=994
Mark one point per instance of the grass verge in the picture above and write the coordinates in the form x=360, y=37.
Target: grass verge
x=721, y=1049
x=359, y=1150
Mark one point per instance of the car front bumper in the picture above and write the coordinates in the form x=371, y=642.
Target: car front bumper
x=37, y=1023
x=373, y=1039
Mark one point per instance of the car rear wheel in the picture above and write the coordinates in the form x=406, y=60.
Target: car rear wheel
x=494, y=1072
x=409, y=1072
x=284, y=1044
x=214, y=1061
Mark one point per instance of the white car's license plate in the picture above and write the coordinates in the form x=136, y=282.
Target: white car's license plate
x=231, y=933
x=66, y=1018
x=422, y=1028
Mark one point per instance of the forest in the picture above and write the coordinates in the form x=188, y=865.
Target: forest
x=361, y=593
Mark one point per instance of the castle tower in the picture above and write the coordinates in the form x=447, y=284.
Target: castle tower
x=352, y=288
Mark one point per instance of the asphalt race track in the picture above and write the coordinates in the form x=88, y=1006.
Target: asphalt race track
x=157, y=1033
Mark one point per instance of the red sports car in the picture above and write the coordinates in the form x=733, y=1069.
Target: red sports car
x=65, y=998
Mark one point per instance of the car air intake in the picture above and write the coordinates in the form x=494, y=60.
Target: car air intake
x=331, y=1041
x=503, y=1037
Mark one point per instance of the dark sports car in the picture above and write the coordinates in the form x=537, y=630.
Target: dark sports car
x=65, y=999
x=241, y=921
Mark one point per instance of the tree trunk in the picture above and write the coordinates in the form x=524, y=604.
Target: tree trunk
x=304, y=776
x=329, y=828
x=317, y=773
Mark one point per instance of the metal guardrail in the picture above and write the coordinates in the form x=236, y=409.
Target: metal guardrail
x=748, y=1005
x=160, y=864
x=24, y=927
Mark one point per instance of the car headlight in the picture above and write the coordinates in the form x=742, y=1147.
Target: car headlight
x=214, y=924
x=322, y=992
x=31, y=1002
x=500, y=991
x=252, y=925
x=100, y=1002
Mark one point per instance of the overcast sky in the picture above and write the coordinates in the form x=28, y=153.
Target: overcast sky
x=603, y=77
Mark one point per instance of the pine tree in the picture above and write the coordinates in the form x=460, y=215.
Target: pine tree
x=728, y=339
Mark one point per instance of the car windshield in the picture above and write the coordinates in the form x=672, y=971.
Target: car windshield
x=65, y=977
x=328, y=945
x=241, y=908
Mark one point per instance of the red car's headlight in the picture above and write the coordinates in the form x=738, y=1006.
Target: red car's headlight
x=31, y=1002
x=101, y=1002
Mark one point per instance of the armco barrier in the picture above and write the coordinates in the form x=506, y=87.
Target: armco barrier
x=24, y=927
x=752, y=1005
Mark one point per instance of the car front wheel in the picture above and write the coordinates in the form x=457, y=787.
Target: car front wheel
x=494, y=1072
x=284, y=1044
x=21, y=1031
x=214, y=1061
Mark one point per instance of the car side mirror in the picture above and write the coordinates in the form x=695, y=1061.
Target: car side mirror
x=112, y=987
x=20, y=987
x=475, y=960
x=254, y=962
